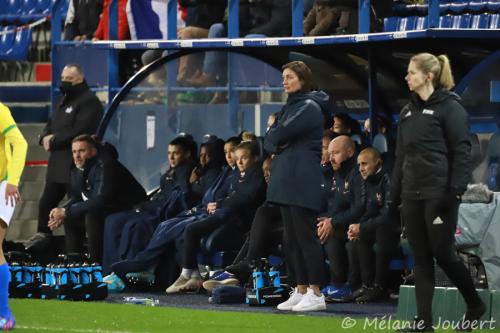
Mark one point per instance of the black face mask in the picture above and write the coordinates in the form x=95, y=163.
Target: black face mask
x=67, y=87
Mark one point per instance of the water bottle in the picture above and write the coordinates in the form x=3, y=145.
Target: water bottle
x=85, y=274
x=274, y=278
x=61, y=275
x=16, y=272
x=28, y=273
x=74, y=273
x=258, y=278
x=96, y=270
x=38, y=270
x=142, y=301
x=48, y=276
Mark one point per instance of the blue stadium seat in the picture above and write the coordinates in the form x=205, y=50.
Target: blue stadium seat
x=27, y=9
x=12, y=11
x=391, y=24
x=444, y=8
x=494, y=21
x=480, y=21
x=3, y=7
x=6, y=40
x=43, y=7
x=477, y=6
x=20, y=47
x=461, y=21
x=458, y=7
x=402, y=9
x=421, y=23
x=493, y=6
x=407, y=23
x=445, y=22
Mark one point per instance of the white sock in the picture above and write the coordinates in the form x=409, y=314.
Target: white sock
x=186, y=273
x=195, y=274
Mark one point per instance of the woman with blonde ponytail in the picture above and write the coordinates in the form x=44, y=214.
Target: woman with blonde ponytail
x=431, y=173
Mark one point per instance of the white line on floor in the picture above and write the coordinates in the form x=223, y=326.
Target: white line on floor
x=76, y=330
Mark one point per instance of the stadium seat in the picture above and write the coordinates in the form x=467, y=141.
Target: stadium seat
x=461, y=21
x=12, y=11
x=20, y=47
x=477, y=6
x=444, y=8
x=445, y=22
x=494, y=21
x=27, y=9
x=43, y=7
x=458, y=7
x=421, y=23
x=402, y=9
x=3, y=7
x=6, y=40
x=493, y=6
x=480, y=21
x=407, y=23
x=391, y=24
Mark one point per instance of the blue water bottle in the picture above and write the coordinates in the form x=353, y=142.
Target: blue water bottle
x=38, y=273
x=28, y=273
x=48, y=279
x=258, y=278
x=74, y=273
x=96, y=272
x=274, y=278
x=16, y=273
x=85, y=274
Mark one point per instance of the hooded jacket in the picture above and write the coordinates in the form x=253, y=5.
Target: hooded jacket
x=295, y=139
x=433, y=148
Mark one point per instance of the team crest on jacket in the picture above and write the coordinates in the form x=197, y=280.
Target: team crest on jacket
x=69, y=109
x=378, y=198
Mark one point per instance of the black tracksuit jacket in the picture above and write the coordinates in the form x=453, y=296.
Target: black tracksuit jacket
x=433, y=148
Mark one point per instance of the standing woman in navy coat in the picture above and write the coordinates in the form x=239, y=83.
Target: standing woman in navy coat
x=295, y=183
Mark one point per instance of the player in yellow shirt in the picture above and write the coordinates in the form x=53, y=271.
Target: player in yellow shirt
x=13, y=148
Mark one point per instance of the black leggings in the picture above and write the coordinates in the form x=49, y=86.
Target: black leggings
x=52, y=194
x=93, y=225
x=302, y=246
x=430, y=226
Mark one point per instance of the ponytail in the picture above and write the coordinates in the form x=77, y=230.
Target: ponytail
x=446, y=77
x=439, y=66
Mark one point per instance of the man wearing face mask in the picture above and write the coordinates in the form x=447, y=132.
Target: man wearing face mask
x=78, y=112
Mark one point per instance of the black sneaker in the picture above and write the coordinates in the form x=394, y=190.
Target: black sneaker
x=417, y=325
x=354, y=295
x=371, y=294
x=240, y=267
x=471, y=319
x=40, y=240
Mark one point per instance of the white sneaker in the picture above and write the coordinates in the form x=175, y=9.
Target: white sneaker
x=310, y=302
x=295, y=298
